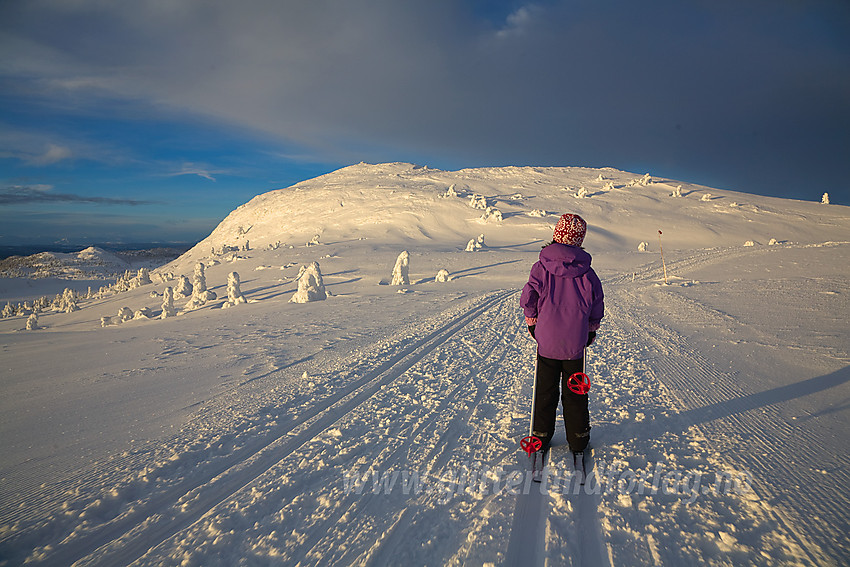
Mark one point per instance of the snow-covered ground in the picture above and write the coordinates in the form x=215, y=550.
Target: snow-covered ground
x=381, y=425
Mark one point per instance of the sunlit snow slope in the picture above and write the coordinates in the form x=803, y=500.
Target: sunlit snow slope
x=380, y=426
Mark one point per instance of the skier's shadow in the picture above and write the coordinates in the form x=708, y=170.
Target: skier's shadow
x=749, y=402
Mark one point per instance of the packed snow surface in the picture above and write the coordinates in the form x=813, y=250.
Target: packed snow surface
x=380, y=424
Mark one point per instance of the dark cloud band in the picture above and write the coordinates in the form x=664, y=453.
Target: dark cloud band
x=26, y=195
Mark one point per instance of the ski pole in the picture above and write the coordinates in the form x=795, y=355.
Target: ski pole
x=533, y=398
x=531, y=443
x=579, y=382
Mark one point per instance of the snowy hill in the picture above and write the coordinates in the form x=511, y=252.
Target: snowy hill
x=406, y=204
x=87, y=263
x=380, y=425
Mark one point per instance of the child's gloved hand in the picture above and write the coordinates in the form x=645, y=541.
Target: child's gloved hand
x=591, y=336
x=531, y=331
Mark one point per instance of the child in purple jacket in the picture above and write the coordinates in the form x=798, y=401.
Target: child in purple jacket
x=563, y=306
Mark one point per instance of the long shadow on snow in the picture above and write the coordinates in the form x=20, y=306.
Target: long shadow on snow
x=770, y=397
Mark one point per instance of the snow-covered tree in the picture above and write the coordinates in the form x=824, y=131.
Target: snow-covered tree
x=645, y=180
x=706, y=197
x=492, y=213
x=168, y=309
x=8, y=311
x=125, y=314
x=450, y=192
x=442, y=276
x=234, y=294
x=643, y=246
x=677, y=192
x=475, y=243
x=143, y=277
x=401, y=270
x=581, y=193
x=69, y=301
x=311, y=287
x=825, y=199
x=477, y=201
x=184, y=288
x=32, y=322
x=200, y=293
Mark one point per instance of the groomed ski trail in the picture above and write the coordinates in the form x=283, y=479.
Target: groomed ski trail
x=393, y=456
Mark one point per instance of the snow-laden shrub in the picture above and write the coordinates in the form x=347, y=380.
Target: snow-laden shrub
x=311, y=287
x=600, y=178
x=608, y=186
x=643, y=246
x=581, y=193
x=200, y=293
x=234, y=293
x=401, y=270
x=475, y=243
x=677, y=192
x=315, y=241
x=537, y=213
x=125, y=314
x=706, y=197
x=442, y=276
x=492, y=213
x=168, y=309
x=749, y=243
x=825, y=199
x=143, y=277
x=477, y=201
x=773, y=242
x=450, y=192
x=32, y=322
x=143, y=313
x=8, y=311
x=105, y=321
x=184, y=288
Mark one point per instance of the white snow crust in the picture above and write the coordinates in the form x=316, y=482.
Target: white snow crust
x=382, y=428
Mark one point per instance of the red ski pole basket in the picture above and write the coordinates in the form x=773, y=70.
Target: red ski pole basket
x=530, y=444
x=579, y=383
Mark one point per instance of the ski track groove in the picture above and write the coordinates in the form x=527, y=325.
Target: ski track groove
x=435, y=457
x=699, y=386
x=443, y=456
x=150, y=529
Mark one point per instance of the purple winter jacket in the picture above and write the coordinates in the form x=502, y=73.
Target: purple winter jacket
x=564, y=295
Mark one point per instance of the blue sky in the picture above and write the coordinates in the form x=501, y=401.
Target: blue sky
x=150, y=121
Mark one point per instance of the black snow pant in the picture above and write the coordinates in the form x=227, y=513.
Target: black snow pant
x=552, y=374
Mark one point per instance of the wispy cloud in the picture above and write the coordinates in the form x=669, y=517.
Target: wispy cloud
x=25, y=194
x=51, y=155
x=197, y=169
